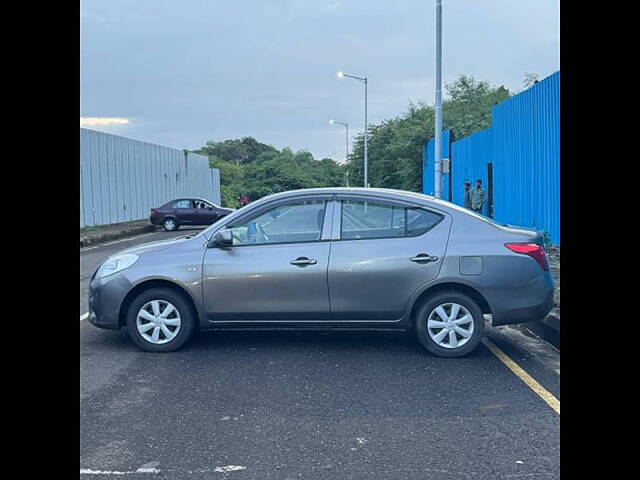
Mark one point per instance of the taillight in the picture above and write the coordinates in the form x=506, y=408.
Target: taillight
x=153, y=211
x=534, y=250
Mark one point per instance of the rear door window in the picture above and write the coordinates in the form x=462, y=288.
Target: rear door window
x=182, y=204
x=371, y=220
x=362, y=219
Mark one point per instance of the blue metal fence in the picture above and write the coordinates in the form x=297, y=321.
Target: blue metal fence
x=122, y=179
x=523, y=146
x=526, y=155
x=470, y=156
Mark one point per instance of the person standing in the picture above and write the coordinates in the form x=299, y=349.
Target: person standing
x=477, y=197
x=467, y=195
x=244, y=200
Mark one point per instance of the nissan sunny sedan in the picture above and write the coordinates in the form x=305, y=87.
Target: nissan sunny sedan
x=328, y=259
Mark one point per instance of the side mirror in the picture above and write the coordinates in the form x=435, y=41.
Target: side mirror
x=209, y=208
x=222, y=238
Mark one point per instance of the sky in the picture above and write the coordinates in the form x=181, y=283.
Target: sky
x=182, y=72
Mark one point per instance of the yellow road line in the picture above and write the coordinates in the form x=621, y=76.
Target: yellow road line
x=542, y=392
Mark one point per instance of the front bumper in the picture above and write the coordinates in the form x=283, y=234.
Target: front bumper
x=105, y=298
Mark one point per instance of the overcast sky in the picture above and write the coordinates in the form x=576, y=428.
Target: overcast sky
x=181, y=72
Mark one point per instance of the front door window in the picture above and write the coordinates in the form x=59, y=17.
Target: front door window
x=289, y=223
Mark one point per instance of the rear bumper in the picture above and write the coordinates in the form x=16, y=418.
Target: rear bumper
x=154, y=220
x=525, y=304
x=523, y=315
x=105, y=298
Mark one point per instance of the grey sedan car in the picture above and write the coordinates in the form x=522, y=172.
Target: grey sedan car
x=330, y=258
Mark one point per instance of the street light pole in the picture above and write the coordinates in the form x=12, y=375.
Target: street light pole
x=366, y=134
x=366, y=137
x=438, y=140
x=346, y=124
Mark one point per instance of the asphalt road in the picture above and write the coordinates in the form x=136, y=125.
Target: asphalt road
x=288, y=405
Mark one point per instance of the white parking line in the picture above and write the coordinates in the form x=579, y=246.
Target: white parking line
x=84, y=316
x=88, y=471
x=224, y=469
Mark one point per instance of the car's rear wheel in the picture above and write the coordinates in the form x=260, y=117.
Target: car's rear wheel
x=160, y=320
x=449, y=324
x=170, y=224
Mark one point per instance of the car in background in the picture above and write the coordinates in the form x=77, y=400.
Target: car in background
x=330, y=258
x=187, y=211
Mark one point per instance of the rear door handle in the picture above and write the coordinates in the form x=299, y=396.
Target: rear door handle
x=423, y=257
x=304, y=261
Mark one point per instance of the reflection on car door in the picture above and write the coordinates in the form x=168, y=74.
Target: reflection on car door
x=383, y=252
x=205, y=213
x=184, y=211
x=277, y=268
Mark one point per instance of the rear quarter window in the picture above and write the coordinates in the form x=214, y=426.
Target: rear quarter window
x=420, y=221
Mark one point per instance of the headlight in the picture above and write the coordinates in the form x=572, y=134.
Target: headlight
x=116, y=264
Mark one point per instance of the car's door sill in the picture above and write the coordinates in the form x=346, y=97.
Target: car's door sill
x=319, y=328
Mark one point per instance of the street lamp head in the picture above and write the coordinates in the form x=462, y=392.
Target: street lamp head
x=340, y=74
x=331, y=122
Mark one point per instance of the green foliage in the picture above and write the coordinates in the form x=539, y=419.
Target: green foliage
x=395, y=145
x=468, y=108
x=240, y=152
x=231, y=176
x=263, y=170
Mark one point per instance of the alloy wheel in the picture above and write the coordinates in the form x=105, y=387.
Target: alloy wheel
x=450, y=325
x=158, y=322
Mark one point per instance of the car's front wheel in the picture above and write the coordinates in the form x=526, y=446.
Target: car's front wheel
x=160, y=320
x=170, y=224
x=449, y=324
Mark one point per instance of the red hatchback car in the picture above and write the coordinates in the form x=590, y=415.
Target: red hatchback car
x=187, y=211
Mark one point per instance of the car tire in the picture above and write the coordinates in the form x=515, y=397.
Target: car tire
x=183, y=320
x=170, y=224
x=436, y=339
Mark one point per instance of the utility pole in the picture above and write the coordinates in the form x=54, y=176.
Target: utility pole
x=438, y=137
x=366, y=133
x=346, y=158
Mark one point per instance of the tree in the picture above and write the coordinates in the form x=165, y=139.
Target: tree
x=231, y=180
x=395, y=145
x=468, y=108
x=529, y=79
x=255, y=169
x=240, y=152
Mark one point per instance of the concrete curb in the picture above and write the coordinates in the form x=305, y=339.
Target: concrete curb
x=96, y=238
x=548, y=329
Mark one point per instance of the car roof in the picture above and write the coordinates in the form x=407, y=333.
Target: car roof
x=190, y=198
x=389, y=193
x=381, y=192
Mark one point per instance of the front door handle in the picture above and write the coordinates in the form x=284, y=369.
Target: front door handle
x=423, y=257
x=304, y=261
